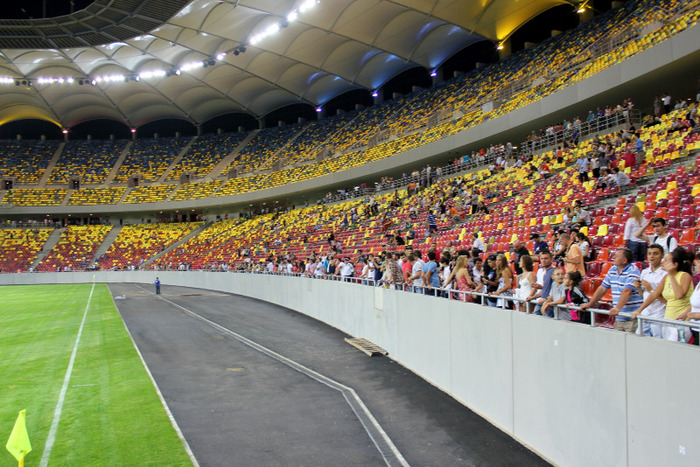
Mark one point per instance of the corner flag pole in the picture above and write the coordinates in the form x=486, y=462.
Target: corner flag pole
x=18, y=444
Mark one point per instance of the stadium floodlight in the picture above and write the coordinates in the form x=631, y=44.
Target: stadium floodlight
x=319, y=109
x=499, y=46
x=375, y=94
x=220, y=56
x=433, y=73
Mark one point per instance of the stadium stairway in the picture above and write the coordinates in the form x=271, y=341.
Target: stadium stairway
x=115, y=169
x=177, y=244
x=226, y=161
x=106, y=243
x=52, y=164
x=48, y=246
x=175, y=161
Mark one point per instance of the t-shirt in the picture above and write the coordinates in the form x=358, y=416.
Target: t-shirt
x=619, y=282
x=431, y=267
x=668, y=244
x=417, y=267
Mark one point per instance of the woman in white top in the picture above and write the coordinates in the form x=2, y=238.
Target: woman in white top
x=525, y=281
x=632, y=226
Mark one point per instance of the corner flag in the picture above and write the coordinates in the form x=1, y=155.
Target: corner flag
x=18, y=444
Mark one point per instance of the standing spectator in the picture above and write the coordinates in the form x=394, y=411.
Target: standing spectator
x=666, y=99
x=519, y=250
x=525, y=283
x=504, y=277
x=693, y=311
x=658, y=106
x=557, y=295
x=583, y=165
x=625, y=298
x=347, y=270
x=586, y=248
x=661, y=236
x=432, y=223
x=157, y=283
x=460, y=275
x=573, y=259
x=541, y=288
x=676, y=289
x=648, y=281
x=415, y=279
x=431, y=279
x=632, y=227
x=490, y=279
x=575, y=296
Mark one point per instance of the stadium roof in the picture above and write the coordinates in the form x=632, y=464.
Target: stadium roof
x=277, y=53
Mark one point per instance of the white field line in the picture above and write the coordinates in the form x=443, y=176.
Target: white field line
x=62, y=396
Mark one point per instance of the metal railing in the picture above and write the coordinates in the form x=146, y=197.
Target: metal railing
x=480, y=298
x=586, y=128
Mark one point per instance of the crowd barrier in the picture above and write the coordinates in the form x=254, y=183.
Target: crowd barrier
x=577, y=395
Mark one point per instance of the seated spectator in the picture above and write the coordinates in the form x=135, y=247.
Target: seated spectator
x=478, y=243
x=621, y=178
x=540, y=244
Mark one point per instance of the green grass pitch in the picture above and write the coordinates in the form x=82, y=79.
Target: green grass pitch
x=112, y=414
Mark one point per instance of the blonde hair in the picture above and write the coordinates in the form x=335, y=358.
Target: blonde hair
x=636, y=212
x=461, y=260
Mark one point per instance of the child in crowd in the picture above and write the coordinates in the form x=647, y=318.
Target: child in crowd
x=575, y=296
x=557, y=295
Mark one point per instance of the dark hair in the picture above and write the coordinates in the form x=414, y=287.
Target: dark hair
x=411, y=257
x=418, y=254
x=527, y=262
x=545, y=252
x=656, y=246
x=683, y=259
x=660, y=220
x=431, y=255
x=629, y=255
x=574, y=277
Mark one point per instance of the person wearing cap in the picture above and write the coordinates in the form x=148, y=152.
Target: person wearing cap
x=347, y=269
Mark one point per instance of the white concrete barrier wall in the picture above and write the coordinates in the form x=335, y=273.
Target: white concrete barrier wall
x=577, y=395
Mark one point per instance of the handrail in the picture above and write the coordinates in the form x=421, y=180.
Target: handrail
x=449, y=293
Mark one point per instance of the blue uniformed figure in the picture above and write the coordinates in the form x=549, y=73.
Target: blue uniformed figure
x=157, y=286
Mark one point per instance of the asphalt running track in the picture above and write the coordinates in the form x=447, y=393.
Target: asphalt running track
x=251, y=383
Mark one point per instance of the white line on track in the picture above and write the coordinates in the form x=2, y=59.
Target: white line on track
x=62, y=395
x=392, y=456
x=171, y=417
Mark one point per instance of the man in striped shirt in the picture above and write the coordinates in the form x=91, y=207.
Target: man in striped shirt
x=432, y=223
x=625, y=297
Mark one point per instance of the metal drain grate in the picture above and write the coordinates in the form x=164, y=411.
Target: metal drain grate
x=366, y=346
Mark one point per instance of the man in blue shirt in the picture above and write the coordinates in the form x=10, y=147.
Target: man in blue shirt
x=431, y=280
x=625, y=297
x=157, y=286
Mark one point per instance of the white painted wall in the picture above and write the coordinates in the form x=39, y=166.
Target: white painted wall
x=576, y=395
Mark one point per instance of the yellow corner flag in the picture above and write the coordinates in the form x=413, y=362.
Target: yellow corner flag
x=18, y=444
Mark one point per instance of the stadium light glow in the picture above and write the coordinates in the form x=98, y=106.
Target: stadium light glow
x=270, y=30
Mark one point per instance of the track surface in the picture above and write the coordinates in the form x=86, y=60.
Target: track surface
x=238, y=406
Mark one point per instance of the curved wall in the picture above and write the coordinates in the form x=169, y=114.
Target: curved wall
x=576, y=395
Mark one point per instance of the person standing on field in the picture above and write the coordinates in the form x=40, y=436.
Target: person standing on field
x=157, y=286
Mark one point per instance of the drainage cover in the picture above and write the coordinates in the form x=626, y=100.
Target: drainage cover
x=366, y=346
